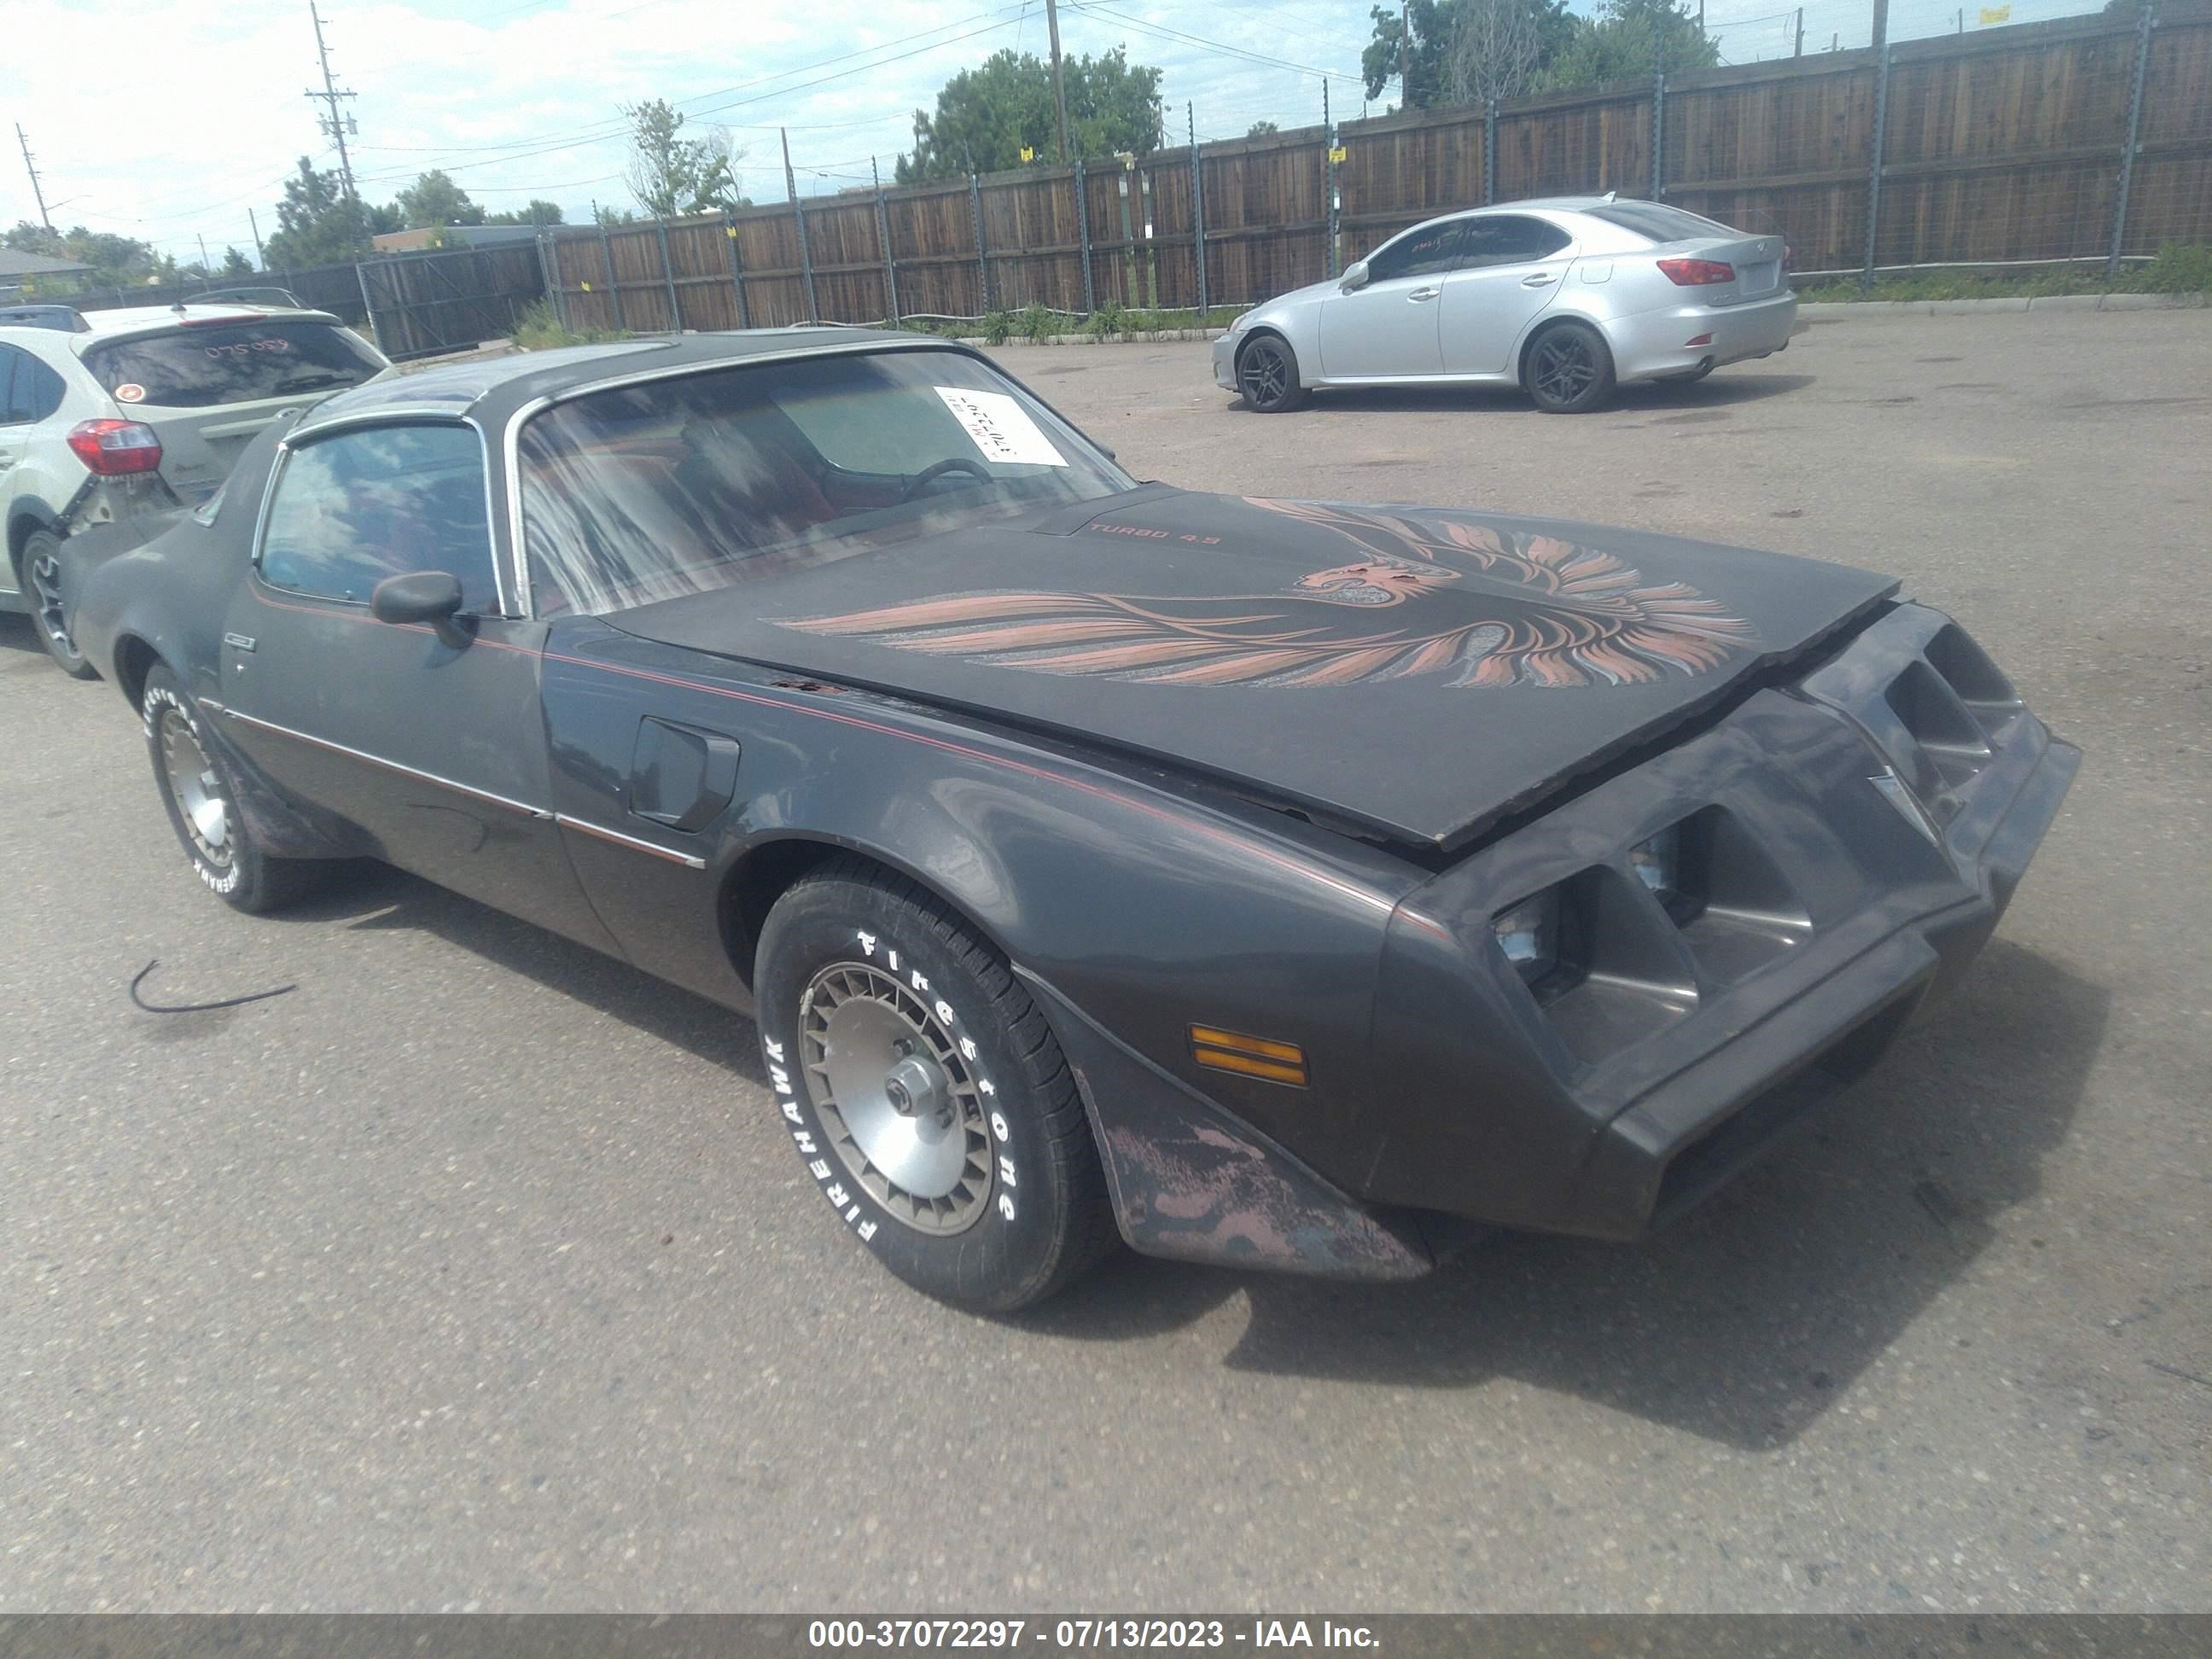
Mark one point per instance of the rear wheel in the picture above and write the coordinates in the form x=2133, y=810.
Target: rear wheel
x=1267, y=375
x=203, y=804
x=925, y=1093
x=39, y=569
x=1569, y=369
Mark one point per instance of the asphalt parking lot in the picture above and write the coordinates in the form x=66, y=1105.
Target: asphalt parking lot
x=475, y=1273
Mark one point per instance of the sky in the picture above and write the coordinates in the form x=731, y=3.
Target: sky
x=197, y=111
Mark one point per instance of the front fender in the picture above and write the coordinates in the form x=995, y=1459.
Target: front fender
x=1148, y=902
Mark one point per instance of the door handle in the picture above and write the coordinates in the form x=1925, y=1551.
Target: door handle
x=1542, y=279
x=1421, y=293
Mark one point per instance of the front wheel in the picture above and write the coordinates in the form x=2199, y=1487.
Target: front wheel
x=1267, y=375
x=925, y=1093
x=203, y=804
x=1570, y=369
x=40, y=569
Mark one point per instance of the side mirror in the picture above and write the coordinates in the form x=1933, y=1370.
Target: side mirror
x=1355, y=276
x=420, y=596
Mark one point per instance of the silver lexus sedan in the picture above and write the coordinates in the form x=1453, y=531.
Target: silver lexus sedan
x=1566, y=297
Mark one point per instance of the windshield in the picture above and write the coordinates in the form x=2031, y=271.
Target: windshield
x=670, y=487
x=209, y=363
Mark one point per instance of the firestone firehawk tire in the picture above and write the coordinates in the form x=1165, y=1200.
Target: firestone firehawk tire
x=202, y=805
x=925, y=1094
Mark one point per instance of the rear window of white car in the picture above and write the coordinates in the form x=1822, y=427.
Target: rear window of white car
x=1658, y=221
x=204, y=364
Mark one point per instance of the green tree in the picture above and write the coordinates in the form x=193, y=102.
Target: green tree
x=115, y=261
x=318, y=224
x=535, y=212
x=234, y=264
x=434, y=200
x=670, y=174
x=1629, y=40
x=985, y=117
x=1261, y=129
x=1465, y=51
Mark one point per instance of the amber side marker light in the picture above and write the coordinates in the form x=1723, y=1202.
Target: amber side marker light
x=1249, y=1056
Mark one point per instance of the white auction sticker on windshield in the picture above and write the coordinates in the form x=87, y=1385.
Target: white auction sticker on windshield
x=1001, y=428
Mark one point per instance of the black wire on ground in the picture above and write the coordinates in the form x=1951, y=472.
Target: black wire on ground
x=195, y=1007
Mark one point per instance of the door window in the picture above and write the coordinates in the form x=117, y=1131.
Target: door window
x=1508, y=239
x=1428, y=250
x=352, y=509
x=29, y=390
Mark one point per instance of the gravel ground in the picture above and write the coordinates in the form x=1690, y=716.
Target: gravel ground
x=476, y=1274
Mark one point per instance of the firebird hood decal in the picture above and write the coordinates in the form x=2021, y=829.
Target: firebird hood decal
x=1351, y=660
x=1537, y=610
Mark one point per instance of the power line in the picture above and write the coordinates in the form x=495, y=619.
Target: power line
x=1092, y=7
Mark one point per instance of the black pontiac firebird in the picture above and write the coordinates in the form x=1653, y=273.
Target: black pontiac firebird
x=1279, y=883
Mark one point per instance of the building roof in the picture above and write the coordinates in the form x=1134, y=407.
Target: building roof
x=15, y=263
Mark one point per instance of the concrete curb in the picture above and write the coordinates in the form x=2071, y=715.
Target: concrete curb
x=1834, y=311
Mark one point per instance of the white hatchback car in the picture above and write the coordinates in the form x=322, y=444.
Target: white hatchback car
x=1565, y=298
x=130, y=412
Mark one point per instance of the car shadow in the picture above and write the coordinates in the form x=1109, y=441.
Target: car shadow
x=372, y=897
x=1741, y=1324
x=19, y=639
x=1719, y=391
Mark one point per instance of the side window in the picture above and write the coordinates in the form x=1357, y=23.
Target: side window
x=37, y=388
x=1510, y=240
x=9, y=358
x=1428, y=252
x=351, y=509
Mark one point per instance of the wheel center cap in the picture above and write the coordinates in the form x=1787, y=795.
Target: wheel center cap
x=916, y=1088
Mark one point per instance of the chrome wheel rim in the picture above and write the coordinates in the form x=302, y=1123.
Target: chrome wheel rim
x=1566, y=366
x=45, y=572
x=195, y=788
x=1266, y=375
x=897, y=1102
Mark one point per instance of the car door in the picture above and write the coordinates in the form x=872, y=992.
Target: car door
x=1387, y=329
x=14, y=432
x=430, y=739
x=1510, y=268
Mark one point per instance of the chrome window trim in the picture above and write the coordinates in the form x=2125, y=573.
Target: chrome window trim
x=509, y=597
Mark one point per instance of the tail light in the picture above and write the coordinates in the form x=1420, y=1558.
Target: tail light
x=115, y=449
x=1697, y=273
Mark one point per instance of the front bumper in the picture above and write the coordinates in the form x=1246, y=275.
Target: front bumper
x=1225, y=361
x=1888, y=804
x=1656, y=343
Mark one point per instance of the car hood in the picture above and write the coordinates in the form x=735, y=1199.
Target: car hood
x=1415, y=673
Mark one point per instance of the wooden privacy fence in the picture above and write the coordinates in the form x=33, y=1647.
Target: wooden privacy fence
x=2087, y=137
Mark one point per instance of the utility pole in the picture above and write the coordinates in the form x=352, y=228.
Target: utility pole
x=206, y=270
x=1059, y=90
x=334, y=125
x=260, y=258
x=1881, y=24
x=37, y=193
x=1798, y=51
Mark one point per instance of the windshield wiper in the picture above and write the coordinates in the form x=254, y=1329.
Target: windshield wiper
x=309, y=382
